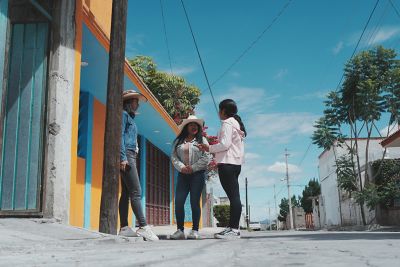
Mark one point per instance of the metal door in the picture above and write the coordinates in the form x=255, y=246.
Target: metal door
x=23, y=119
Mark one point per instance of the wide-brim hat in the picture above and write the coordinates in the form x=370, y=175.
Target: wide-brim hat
x=129, y=94
x=190, y=119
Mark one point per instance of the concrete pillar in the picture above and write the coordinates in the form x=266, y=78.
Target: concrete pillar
x=59, y=111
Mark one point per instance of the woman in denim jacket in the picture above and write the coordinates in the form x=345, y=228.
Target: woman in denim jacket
x=130, y=182
x=191, y=164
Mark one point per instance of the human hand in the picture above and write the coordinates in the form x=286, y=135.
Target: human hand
x=203, y=147
x=124, y=165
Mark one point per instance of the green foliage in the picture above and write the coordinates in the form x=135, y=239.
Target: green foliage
x=177, y=96
x=313, y=189
x=284, y=207
x=346, y=175
x=221, y=213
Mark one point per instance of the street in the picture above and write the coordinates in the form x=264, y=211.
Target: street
x=38, y=243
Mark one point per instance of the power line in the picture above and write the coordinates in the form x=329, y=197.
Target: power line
x=253, y=43
x=359, y=40
x=395, y=8
x=165, y=34
x=305, y=154
x=198, y=53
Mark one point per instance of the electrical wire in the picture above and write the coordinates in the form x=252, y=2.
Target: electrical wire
x=198, y=53
x=359, y=40
x=253, y=43
x=166, y=36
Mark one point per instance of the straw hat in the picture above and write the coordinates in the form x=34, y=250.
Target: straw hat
x=129, y=94
x=191, y=118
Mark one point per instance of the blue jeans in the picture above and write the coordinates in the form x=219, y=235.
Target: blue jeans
x=131, y=190
x=194, y=184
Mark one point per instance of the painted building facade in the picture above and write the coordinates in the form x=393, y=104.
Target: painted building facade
x=53, y=81
x=336, y=207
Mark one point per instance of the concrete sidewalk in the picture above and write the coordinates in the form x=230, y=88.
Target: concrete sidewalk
x=29, y=231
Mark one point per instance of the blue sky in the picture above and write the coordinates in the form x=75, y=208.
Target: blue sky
x=279, y=84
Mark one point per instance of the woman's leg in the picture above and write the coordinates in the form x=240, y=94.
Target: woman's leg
x=228, y=176
x=182, y=190
x=132, y=182
x=196, y=187
x=123, y=203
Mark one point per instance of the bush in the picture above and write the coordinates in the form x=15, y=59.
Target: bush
x=221, y=213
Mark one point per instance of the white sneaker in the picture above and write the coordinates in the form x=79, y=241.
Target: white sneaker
x=127, y=232
x=178, y=235
x=147, y=233
x=193, y=235
x=228, y=233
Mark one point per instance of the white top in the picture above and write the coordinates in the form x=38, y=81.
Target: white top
x=230, y=149
x=188, y=154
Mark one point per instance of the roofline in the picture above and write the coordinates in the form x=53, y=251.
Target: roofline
x=348, y=139
x=100, y=35
x=391, y=138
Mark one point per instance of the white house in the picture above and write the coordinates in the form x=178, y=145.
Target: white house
x=337, y=207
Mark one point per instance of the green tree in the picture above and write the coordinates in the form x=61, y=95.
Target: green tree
x=284, y=207
x=177, y=96
x=221, y=213
x=371, y=89
x=313, y=189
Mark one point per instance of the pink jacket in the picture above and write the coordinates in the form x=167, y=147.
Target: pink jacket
x=230, y=149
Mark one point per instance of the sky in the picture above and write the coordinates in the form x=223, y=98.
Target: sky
x=279, y=84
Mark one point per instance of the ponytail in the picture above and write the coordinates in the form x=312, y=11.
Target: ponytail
x=239, y=120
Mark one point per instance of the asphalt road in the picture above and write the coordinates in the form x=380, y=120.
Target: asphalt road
x=58, y=245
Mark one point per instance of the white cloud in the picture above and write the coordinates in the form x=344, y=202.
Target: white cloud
x=281, y=74
x=392, y=128
x=280, y=167
x=183, y=70
x=339, y=46
x=251, y=156
x=384, y=34
x=250, y=99
x=281, y=127
x=317, y=94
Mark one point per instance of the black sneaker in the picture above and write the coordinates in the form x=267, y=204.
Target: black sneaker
x=228, y=233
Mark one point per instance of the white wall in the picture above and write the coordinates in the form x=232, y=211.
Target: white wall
x=329, y=192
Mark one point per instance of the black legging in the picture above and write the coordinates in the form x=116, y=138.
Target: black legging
x=193, y=183
x=228, y=175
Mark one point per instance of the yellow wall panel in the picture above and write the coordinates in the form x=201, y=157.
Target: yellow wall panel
x=77, y=194
x=100, y=11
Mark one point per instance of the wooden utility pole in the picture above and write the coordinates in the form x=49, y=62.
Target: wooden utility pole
x=112, y=136
x=288, y=189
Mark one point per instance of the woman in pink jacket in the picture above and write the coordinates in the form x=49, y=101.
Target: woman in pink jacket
x=229, y=155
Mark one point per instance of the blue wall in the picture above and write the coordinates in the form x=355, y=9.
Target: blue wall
x=3, y=33
x=94, y=81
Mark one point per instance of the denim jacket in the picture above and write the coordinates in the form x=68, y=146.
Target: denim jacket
x=129, y=135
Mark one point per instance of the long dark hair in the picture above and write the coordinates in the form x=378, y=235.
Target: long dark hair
x=230, y=108
x=181, y=137
x=126, y=105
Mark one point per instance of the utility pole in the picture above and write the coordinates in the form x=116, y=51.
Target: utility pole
x=276, y=210
x=111, y=161
x=288, y=188
x=249, y=216
x=247, y=207
x=269, y=217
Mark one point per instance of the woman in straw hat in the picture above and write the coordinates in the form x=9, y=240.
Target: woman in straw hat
x=130, y=182
x=191, y=164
